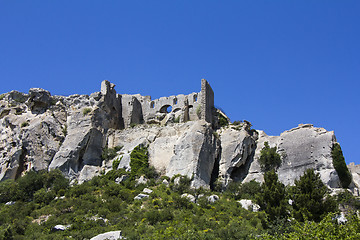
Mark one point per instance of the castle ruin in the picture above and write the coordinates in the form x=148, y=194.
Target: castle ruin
x=137, y=109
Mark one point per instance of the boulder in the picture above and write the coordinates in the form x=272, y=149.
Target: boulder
x=113, y=235
x=213, y=198
x=189, y=197
x=141, y=180
x=39, y=100
x=121, y=179
x=249, y=205
x=61, y=227
x=141, y=196
x=147, y=190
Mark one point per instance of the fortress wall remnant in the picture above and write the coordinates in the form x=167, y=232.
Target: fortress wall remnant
x=207, y=101
x=177, y=103
x=132, y=108
x=137, y=109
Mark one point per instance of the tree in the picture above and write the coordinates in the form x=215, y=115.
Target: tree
x=310, y=197
x=139, y=161
x=272, y=197
x=269, y=158
x=340, y=165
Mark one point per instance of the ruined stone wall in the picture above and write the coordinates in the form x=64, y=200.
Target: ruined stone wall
x=137, y=109
x=207, y=101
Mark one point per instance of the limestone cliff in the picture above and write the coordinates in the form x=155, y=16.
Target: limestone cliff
x=182, y=133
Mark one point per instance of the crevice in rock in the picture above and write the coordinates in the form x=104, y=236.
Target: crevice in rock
x=21, y=166
x=215, y=171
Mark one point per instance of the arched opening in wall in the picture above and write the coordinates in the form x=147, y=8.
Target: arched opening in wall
x=166, y=109
x=152, y=104
x=175, y=101
x=195, y=98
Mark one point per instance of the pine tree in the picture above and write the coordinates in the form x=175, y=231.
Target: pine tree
x=310, y=197
x=272, y=198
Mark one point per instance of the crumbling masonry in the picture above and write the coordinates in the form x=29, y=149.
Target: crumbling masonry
x=137, y=109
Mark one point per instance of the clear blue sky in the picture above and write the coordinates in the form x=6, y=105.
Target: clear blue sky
x=273, y=63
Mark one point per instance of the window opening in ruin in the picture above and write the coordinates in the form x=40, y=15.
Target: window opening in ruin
x=175, y=101
x=166, y=109
x=195, y=98
x=152, y=104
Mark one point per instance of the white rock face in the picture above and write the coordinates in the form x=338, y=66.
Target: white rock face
x=113, y=235
x=301, y=148
x=237, y=147
x=184, y=148
x=194, y=154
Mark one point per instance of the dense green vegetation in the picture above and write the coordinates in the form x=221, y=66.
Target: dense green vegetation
x=269, y=158
x=272, y=197
x=311, y=200
x=38, y=201
x=222, y=120
x=340, y=166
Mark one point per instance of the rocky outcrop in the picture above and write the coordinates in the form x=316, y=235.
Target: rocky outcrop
x=28, y=140
x=39, y=131
x=237, y=147
x=189, y=148
x=300, y=148
x=194, y=154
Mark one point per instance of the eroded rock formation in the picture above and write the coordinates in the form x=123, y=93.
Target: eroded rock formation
x=182, y=133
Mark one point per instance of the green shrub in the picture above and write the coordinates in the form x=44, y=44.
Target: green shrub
x=236, y=123
x=55, y=180
x=238, y=190
x=348, y=200
x=340, y=166
x=86, y=111
x=28, y=185
x=2, y=96
x=24, y=124
x=222, y=120
x=177, y=119
x=110, y=153
x=116, y=163
x=8, y=190
x=269, y=158
x=43, y=196
x=139, y=161
x=183, y=184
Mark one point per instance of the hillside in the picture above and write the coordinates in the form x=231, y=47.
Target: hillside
x=169, y=168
